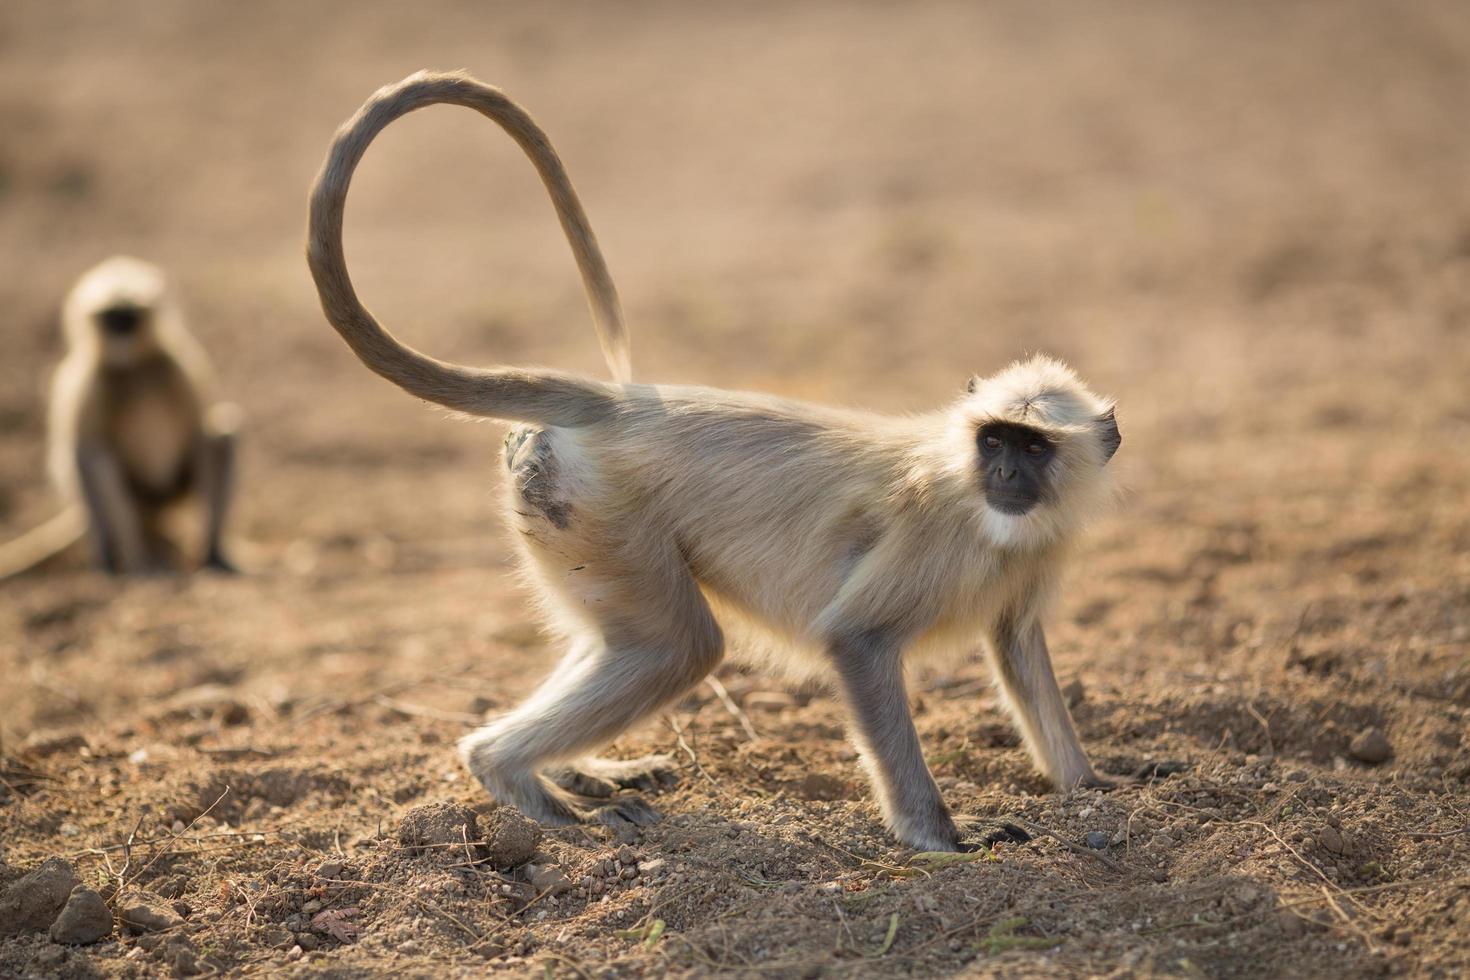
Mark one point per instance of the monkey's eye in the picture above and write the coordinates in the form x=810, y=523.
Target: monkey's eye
x=1035, y=449
x=991, y=442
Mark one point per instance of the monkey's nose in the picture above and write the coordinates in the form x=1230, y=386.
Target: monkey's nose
x=1006, y=474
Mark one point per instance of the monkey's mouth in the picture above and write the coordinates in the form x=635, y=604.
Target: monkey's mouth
x=1010, y=504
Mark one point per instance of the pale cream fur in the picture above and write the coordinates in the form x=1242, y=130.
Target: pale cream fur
x=655, y=519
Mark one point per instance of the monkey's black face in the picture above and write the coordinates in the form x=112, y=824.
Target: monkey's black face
x=122, y=320
x=1013, y=465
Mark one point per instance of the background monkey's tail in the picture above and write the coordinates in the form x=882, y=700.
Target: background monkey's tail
x=548, y=397
x=42, y=542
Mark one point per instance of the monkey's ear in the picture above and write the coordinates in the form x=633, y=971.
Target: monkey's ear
x=1107, y=433
x=972, y=384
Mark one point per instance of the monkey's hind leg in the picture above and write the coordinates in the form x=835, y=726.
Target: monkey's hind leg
x=652, y=638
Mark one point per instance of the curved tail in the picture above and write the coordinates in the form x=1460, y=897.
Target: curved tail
x=548, y=397
x=42, y=542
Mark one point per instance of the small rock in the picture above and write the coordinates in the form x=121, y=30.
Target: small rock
x=294, y=954
x=1290, y=923
x=32, y=903
x=511, y=838
x=140, y=917
x=311, y=907
x=1097, y=839
x=1330, y=839
x=1074, y=693
x=768, y=701
x=480, y=704
x=547, y=877
x=1370, y=746
x=50, y=957
x=627, y=855
x=307, y=941
x=83, y=920
x=653, y=867
x=334, y=869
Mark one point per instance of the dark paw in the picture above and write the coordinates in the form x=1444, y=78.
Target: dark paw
x=1000, y=832
x=219, y=563
x=626, y=814
x=582, y=783
x=1150, y=771
x=1006, y=833
x=648, y=774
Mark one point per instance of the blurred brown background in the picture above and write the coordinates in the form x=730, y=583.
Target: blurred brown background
x=1250, y=222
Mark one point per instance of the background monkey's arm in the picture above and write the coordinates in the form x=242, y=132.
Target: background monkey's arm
x=117, y=529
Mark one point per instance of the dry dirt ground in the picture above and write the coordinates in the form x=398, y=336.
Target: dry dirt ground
x=1250, y=222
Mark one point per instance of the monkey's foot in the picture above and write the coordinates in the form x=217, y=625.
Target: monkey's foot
x=222, y=565
x=1000, y=832
x=625, y=814
x=1150, y=771
x=601, y=778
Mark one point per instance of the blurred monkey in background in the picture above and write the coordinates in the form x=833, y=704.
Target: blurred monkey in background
x=133, y=429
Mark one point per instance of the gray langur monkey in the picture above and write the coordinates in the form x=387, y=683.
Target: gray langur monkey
x=654, y=519
x=132, y=428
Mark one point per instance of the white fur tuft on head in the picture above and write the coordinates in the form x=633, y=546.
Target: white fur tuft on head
x=1039, y=391
x=118, y=281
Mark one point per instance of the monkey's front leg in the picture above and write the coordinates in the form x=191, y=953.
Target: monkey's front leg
x=216, y=469
x=1023, y=667
x=871, y=671
x=112, y=515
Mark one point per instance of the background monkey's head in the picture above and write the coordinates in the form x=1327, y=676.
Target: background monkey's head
x=119, y=309
x=1038, y=442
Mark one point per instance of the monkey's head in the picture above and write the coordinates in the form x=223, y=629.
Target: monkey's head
x=1038, y=442
x=117, y=309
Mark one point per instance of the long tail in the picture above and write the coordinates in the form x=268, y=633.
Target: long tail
x=42, y=542
x=548, y=397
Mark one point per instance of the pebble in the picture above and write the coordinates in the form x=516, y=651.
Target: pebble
x=1097, y=839
x=83, y=920
x=141, y=917
x=627, y=855
x=32, y=903
x=548, y=878
x=333, y=869
x=1330, y=839
x=294, y=954
x=1370, y=746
